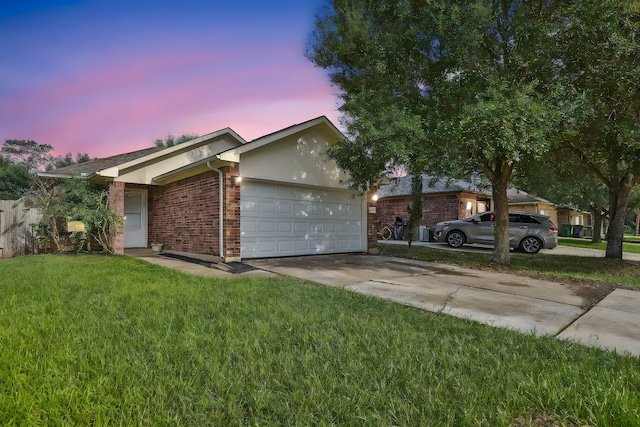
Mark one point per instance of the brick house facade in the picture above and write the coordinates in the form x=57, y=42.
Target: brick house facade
x=168, y=223
x=441, y=200
x=207, y=196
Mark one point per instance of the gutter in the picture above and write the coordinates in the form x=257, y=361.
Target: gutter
x=221, y=204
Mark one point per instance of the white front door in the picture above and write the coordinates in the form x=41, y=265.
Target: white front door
x=135, y=218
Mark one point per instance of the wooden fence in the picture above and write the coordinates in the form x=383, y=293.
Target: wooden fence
x=16, y=229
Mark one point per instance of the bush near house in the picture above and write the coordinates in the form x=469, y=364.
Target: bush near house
x=62, y=200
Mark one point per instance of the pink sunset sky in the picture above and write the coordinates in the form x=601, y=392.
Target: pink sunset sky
x=106, y=77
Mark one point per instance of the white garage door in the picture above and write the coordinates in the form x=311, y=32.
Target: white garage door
x=285, y=220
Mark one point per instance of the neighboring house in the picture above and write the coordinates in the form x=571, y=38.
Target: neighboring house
x=219, y=195
x=521, y=201
x=442, y=199
x=567, y=215
x=575, y=223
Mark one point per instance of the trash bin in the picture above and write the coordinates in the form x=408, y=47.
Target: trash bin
x=565, y=230
x=588, y=231
x=578, y=230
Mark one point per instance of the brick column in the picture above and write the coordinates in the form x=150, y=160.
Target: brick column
x=372, y=222
x=231, y=219
x=116, y=202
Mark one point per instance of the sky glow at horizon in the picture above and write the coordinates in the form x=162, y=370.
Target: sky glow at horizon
x=107, y=77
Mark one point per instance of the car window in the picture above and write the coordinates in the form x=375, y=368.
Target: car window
x=488, y=217
x=515, y=218
x=531, y=220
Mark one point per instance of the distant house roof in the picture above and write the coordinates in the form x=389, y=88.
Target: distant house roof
x=519, y=197
x=92, y=166
x=430, y=185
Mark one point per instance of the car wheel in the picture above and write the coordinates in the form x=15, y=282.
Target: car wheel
x=530, y=245
x=455, y=239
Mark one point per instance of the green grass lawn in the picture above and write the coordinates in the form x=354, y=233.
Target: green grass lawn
x=96, y=340
x=630, y=245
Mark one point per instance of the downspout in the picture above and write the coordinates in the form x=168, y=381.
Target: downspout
x=221, y=197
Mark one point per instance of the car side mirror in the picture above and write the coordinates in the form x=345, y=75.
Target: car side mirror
x=476, y=220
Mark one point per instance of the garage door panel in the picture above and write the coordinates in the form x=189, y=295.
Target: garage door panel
x=285, y=227
x=285, y=208
x=282, y=220
x=267, y=226
x=285, y=245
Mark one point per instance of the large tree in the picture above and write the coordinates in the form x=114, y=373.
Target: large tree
x=67, y=160
x=452, y=87
x=170, y=140
x=31, y=154
x=600, y=51
x=14, y=179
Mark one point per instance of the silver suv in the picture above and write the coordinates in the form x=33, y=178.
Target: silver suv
x=527, y=231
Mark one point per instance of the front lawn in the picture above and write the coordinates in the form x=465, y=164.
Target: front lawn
x=630, y=245
x=93, y=340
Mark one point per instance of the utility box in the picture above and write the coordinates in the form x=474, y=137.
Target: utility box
x=425, y=234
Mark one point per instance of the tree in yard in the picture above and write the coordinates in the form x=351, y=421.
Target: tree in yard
x=14, y=179
x=67, y=160
x=561, y=178
x=449, y=87
x=601, y=61
x=61, y=201
x=34, y=156
x=634, y=208
x=415, y=209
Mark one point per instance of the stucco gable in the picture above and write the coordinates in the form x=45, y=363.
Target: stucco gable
x=295, y=155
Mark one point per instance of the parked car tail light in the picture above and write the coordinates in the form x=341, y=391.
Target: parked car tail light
x=554, y=229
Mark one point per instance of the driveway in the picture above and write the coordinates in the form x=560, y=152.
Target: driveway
x=528, y=305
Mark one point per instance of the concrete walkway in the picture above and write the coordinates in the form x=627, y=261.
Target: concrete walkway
x=539, y=307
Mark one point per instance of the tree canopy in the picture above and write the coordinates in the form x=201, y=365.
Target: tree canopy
x=601, y=65
x=14, y=180
x=170, y=140
x=32, y=155
x=491, y=86
x=452, y=87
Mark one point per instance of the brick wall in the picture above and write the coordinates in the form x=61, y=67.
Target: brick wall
x=184, y=215
x=231, y=212
x=116, y=202
x=435, y=208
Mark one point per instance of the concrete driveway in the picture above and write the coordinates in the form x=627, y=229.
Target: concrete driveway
x=524, y=304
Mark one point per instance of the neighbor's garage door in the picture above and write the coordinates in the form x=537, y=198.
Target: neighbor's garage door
x=284, y=220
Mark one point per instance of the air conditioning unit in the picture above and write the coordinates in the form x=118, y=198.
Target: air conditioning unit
x=424, y=234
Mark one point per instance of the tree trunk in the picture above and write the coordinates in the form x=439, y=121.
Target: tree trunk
x=619, y=191
x=415, y=209
x=597, y=226
x=637, y=221
x=499, y=182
